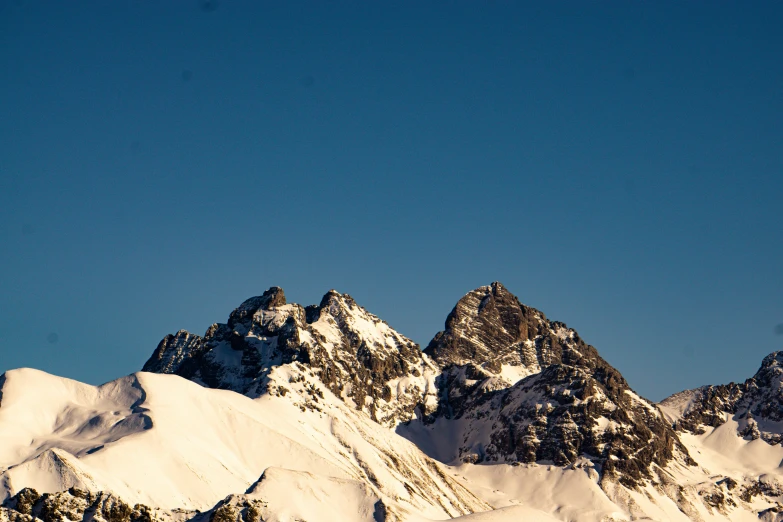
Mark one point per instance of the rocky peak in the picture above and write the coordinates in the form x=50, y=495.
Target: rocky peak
x=491, y=329
x=527, y=389
x=487, y=327
x=770, y=375
x=174, y=351
x=773, y=360
x=335, y=298
x=356, y=354
x=272, y=298
x=78, y=505
x=337, y=306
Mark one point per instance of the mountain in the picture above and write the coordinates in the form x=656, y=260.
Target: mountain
x=166, y=442
x=520, y=388
x=325, y=412
x=357, y=356
x=756, y=405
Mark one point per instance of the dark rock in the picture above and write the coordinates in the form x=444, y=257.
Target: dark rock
x=75, y=505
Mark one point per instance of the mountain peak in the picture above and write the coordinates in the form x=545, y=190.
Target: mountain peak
x=495, y=287
x=354, y=353
x=529, y=389
x=770, y=376
x=505, y=387
x=334, y=298
x=488, y=327
x=270, y=299
x=543, y=387
x=773, y=360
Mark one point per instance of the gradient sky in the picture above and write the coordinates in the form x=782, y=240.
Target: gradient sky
x=618, y=165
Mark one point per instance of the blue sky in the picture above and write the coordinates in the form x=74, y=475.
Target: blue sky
x=618, y=165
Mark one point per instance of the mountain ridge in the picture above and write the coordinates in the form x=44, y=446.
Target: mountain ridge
x=330, y=399
x=756, y=404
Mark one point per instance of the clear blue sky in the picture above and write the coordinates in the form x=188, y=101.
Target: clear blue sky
x=618, y=165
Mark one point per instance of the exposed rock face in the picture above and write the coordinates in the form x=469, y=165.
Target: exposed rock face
x=261, y=502
x=75, y=505
x=359, y=357
x=492, y=332
x=561, y=415
x=572, y=404
x=756, y=404
x=490, y=328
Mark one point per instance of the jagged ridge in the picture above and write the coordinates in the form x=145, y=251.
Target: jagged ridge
x=756, y=404
x=568, y=404
x=501, y=384
x=359, y=357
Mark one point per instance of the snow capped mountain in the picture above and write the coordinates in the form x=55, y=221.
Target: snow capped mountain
x=571, y=405
x=355, y=354
x=326, y=413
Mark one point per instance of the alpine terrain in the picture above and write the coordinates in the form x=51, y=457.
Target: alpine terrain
x=326, y=413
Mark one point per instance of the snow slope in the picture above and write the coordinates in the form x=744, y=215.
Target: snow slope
x=167, y=442
x=149, y=438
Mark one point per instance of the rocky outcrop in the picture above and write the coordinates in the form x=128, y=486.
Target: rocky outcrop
x=76, y=505
x=756, y=405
